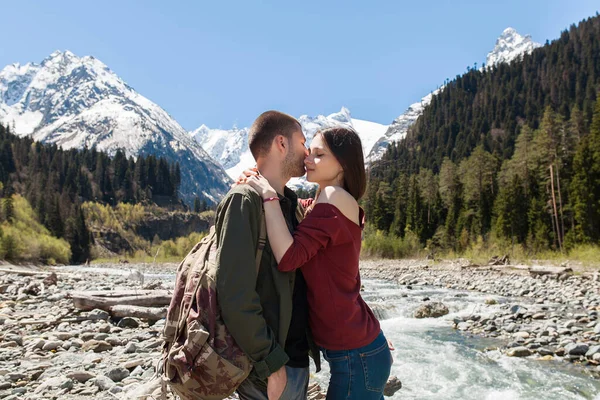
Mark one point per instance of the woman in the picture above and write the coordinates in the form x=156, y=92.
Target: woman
x=326, y=245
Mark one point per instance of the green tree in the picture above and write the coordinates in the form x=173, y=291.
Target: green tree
x=585, y=186
x=8, y=208
x=477, y=174
x=197, y=204
x=78, y=236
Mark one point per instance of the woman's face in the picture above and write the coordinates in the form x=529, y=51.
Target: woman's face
x=321, y=165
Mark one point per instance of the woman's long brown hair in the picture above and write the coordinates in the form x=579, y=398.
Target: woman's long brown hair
x=345, y=145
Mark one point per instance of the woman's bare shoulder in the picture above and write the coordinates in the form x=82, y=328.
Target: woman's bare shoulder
x=342, y=200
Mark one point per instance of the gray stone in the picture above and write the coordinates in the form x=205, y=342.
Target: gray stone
x=100, y=336
x=52, y=345
x=115, y=389
x=11, y=337
x=131, y=347
x=104, y=382
x=97, y=346
x=59, y=382
x=592, y=350
x=576, y=349
x=64, y=335
x=569, y=324
x=80, y=376
x=392, y=386
x=128, y=322
x=544, y=351
x=520, y=351
x=431, y=310
x=98, y=315
x=118, y=374
x=114, y=340
x=15, y=376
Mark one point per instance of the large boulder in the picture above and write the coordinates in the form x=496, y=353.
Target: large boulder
x=433, y=309
x=392, y=386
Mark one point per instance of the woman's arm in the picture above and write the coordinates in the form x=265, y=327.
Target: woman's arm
x=314, y=233
x=280, y=238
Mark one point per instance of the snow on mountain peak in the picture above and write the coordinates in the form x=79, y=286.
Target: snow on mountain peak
x=509, y=46
x=76, y=102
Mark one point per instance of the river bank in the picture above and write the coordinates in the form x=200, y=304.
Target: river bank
x=44, y=353
x=546, y=316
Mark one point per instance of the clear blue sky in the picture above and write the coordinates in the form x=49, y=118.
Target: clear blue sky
x=222, y=63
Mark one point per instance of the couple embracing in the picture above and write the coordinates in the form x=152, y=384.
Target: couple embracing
x=300, y=294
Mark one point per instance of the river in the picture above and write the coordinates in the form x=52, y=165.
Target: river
x=435, y=361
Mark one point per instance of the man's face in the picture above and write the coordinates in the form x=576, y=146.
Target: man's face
x=293, y=164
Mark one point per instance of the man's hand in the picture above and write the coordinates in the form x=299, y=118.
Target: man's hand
x=276, y=383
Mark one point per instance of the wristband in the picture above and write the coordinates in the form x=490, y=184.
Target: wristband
x=270, y=199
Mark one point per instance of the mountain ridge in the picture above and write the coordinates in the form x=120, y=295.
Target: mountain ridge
x=78, y=102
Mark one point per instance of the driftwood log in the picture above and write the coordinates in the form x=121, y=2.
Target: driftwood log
x=104, y=300
x=540, y=270
x=149, y=313
x=24, y=272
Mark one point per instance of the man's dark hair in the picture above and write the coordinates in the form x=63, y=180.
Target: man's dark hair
x=268, y=125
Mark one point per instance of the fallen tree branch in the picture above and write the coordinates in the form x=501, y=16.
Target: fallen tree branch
x=149, y=313
x=104, y=300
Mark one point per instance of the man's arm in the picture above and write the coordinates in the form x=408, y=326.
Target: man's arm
x=238, y=226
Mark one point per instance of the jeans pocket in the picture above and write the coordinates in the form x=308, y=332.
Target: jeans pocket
x=335, y=355
x=376, y=366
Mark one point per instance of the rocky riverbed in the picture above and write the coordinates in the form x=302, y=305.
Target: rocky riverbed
x=552, y=316
x=50, y=350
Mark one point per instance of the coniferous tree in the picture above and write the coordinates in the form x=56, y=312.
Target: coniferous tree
x=8, y=207
x=585, y=186
x=78, y=236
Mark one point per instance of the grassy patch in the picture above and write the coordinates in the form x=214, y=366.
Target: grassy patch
x=24, y=239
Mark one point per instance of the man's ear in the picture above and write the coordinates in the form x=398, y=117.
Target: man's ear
x=281, y=143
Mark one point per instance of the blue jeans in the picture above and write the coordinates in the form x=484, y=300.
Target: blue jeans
x=359, y=374
x=295, y=389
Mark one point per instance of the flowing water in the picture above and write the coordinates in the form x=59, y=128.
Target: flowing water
x=434, y=361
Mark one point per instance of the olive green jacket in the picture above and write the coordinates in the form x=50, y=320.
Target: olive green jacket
x=256, y=308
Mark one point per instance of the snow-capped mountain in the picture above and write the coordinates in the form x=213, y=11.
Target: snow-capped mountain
x=76, y=102
x=230, y=147
x=509, y=46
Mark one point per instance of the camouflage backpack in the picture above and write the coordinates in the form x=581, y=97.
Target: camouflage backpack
x=200, y=358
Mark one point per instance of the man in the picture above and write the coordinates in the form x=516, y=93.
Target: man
x=265, y=312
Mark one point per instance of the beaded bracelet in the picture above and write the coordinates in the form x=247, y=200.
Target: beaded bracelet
x=270, y=199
